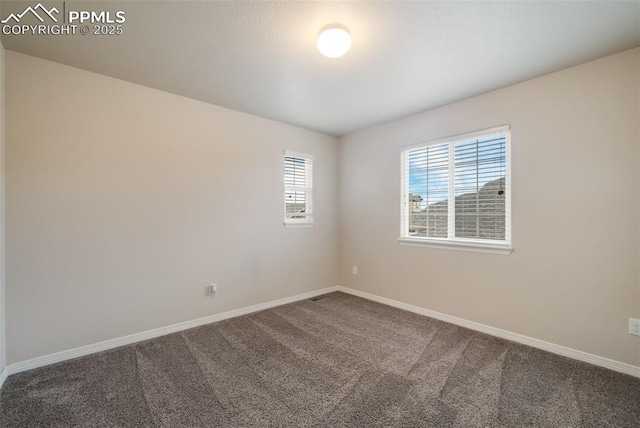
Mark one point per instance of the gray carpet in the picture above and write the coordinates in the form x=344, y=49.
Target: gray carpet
x=339, y=361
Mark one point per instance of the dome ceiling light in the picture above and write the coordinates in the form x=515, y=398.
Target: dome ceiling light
x=334, y=40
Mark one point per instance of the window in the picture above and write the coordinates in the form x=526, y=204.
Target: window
x=298, y=186
x=457, y=192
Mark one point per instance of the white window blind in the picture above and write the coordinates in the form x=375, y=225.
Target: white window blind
x=457, y=192
x=298, y=189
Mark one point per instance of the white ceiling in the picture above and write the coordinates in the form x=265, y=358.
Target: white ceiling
x=260, y=57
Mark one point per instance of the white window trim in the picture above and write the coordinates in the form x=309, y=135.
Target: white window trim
x=291, y=225
x=464, y=245
x=309, y=220
x=482, y=246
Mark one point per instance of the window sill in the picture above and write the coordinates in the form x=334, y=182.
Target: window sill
x=298, y=225
x=479, y=247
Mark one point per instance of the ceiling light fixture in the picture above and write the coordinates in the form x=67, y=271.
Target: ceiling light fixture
x=334, y=40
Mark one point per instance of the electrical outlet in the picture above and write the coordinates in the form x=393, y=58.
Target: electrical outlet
x=213, y=288
x=634, y=326
x=354, y=270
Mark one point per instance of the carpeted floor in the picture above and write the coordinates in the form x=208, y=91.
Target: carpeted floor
x=339, y=361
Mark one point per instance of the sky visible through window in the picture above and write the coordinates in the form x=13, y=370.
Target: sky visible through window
x=478, y=161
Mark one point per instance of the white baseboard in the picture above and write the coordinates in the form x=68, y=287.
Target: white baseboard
x=3, y=376
x=504, y=334
x=150, y=334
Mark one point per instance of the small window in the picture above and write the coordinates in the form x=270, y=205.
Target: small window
x=457, y=192
x=298, y=189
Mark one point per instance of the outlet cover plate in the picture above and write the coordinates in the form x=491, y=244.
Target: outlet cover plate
x=634, y=326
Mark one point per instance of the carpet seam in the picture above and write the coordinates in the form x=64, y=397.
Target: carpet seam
x=574, y=371
x=144, y=395
x=337, y=328
x=456, y=364
x=424, y=351
x=280, y=395
x=203, y=376
x=257, y=373
x=501, y=385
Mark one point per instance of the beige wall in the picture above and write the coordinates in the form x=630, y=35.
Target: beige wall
x=573, y=277
x=2, y=215
x=124, y=202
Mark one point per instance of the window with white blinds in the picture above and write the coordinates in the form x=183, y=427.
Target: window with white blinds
x=457, y=192
x=298, y=189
